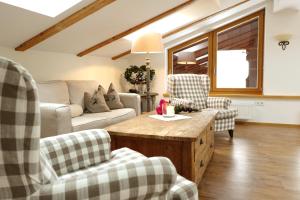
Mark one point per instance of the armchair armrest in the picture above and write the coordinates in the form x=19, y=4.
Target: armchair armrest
x=131, y=100
x=139, y=179
x=218, y=102
x=55, y=119
x=78, y=150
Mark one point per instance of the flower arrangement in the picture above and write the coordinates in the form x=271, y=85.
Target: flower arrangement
x=137, y=75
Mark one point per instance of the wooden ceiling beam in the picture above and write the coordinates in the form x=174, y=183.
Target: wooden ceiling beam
x=133, y=29
x=121, y=55
x=188, y=26
x=65, y=23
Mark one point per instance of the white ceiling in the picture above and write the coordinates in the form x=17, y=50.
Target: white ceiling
x=18, y=25
x=286, y=4
x=112, y=19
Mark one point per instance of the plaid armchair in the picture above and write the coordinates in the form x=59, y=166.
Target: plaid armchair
x=72, y=166
x=196, y=88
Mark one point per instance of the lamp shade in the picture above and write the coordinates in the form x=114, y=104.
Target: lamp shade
x=283, y=37
x=186, y=58
x=148, y=43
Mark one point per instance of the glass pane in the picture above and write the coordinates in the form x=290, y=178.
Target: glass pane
x=237, y=56
x=192, y=60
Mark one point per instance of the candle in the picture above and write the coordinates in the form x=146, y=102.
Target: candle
x=170, y=110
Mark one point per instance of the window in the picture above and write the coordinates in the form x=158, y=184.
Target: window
x=231, y=55
x=50, y=8
x=192, y=59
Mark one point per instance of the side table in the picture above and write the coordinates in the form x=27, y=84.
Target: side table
x=144, y=101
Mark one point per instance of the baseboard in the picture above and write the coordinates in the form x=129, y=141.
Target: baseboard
x=267, y=124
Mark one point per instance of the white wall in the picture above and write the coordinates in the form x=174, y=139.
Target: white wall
x=60, y=66
x=281, y=69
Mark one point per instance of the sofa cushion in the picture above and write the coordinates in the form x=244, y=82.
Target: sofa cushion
x=77, y=89
x=101, y=120
x=53, y=92
x=76, y=110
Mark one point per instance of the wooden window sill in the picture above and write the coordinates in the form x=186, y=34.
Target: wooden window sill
x=257, y=96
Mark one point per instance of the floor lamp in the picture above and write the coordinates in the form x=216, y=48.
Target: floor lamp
x=147, y=44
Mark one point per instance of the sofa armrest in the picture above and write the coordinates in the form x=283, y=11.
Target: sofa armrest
x=139, y=179
x=218, y=102
x=55, y=119
x=131, y=100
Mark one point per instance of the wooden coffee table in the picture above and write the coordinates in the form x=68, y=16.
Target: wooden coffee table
x=188, y=143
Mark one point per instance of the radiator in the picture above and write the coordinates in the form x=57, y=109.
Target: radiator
x=245, y=110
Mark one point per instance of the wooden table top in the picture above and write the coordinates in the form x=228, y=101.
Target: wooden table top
x=146, y=127
x=151, y=94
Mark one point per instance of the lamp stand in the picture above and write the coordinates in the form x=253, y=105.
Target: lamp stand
x=148, y=97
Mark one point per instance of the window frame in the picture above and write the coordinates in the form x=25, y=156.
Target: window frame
x=212, y=52
x=186, y=45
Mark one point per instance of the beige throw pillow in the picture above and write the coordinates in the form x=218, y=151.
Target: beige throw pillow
x=95, y=103
x=112, y=98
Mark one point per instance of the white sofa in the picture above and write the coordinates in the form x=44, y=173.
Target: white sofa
x=62, y=100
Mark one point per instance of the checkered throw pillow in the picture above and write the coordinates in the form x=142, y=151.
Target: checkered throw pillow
x=19, y=132
x=73, y=151
x=188, y=86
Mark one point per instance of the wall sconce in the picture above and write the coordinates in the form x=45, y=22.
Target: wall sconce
x=283, y=40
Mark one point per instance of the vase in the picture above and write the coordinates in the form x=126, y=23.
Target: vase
x=141, y=88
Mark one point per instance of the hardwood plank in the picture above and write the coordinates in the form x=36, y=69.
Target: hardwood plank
x=65, y=23
x=186, y=26
x=133, y=29
x=260, y=162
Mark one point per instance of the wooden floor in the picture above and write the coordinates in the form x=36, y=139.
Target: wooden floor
x=261, y=162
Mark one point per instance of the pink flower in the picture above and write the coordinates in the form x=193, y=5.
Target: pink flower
x=161, y=102
x=159, y=110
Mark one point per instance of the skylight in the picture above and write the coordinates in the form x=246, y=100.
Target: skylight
x=50, y=8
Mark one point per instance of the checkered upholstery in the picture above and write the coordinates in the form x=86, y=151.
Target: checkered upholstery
x=47, y=175
x=182, y=102
x=218, y=102
x=28, y=171
x=188, y=86
x=193, y=86
x=226, y=113
x=19, y=132
x=138, y=179
x=70, y=152
x=183, y=189
x=224, y=124
x=180, y=190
